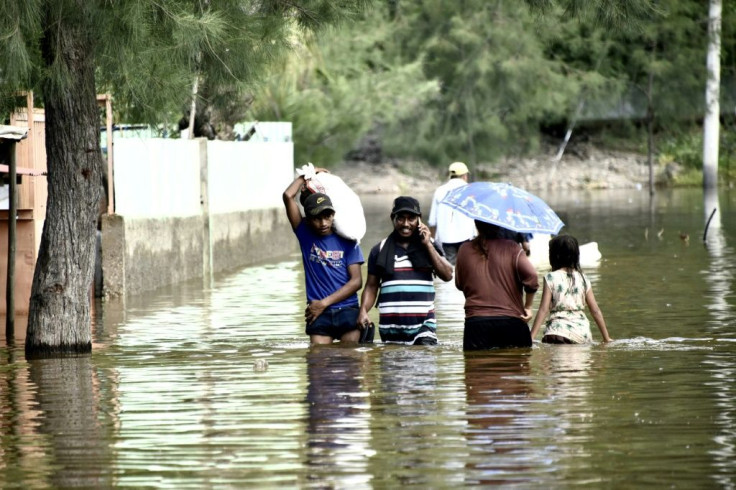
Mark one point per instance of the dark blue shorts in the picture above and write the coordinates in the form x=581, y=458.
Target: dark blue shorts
x=489, y=332
x=335, y=322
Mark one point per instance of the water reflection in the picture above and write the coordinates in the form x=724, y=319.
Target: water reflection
x=415, y=432
x=719, y=277
x=720, y=272
x=338, y=426
x=22, y=448
x=499, y=432
x=450, y=312
x=566, y=371
x=170, y=397
x=74, y=428
x=722, y=370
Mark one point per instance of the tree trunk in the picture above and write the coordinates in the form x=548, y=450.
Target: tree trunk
x=711, y=124
x=59, y=314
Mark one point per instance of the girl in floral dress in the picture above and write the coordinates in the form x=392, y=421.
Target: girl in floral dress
x=565, y=295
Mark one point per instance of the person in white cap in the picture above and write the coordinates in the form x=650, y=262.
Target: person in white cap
x=451, y=227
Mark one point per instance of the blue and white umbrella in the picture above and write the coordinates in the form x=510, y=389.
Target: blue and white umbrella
x=506, y=206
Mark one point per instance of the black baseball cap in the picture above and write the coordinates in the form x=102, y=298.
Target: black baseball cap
x=406, y=204
x=316, y=204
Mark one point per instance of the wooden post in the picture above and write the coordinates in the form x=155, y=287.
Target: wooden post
x=110, y=177
x=30, y=143
x=107, y=99
x=10, y=287
x=204, y=185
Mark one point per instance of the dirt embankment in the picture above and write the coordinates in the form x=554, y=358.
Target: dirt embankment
x=579, y=169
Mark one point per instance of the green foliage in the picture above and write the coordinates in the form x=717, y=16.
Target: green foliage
x=666, y=49
x=148, y=54
x=691, y=177
x=338, y=87
x=498, y=81
x=613, y=14
x=486, y=75
x=683, y=148
x=438, y=80
x=686, y=148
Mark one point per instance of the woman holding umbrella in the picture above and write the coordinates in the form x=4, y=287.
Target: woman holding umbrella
x=499, y=283
x=496, y=277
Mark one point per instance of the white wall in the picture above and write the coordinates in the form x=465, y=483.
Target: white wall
x=161, y=233
x=157, y=178
x=246, y=176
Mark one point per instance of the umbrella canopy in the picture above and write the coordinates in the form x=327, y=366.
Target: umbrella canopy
x=506, y=206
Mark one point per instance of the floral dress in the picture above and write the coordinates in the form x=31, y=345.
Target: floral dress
x=567, y=306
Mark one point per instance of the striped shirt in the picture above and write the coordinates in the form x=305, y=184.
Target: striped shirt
x=405, y=299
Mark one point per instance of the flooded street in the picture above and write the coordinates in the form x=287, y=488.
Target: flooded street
x=210, y=388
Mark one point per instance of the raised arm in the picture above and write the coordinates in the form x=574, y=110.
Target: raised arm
x=289, y=196
x=597, y=314
x=441, y=266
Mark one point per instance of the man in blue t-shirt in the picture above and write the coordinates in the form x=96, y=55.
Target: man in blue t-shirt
x=331, y=268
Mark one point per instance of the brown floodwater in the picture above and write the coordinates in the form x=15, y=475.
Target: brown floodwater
x=193, y=387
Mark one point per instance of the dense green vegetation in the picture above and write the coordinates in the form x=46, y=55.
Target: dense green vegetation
x=476, y=79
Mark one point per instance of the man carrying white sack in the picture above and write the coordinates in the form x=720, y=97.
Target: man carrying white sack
x=349, y=217
x=332, y=270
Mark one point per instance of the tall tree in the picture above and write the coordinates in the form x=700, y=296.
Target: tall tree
x=500, y=78
x=147, y=54
x=488, y=59
x=338, y=87
x=59, y=308
x=656, y=62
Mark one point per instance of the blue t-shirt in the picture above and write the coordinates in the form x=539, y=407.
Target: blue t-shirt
x=326, y=260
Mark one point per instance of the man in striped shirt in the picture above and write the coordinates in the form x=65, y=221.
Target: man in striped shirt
x=401, y=270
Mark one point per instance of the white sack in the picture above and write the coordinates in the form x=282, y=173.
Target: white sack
x=349, y=216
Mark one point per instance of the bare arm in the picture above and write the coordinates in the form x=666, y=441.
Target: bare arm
x=530, y=282
x=432, y=220
x=528, y=303
x=315, y=308
x=459, y=264
x=292, y=208
x=367, y=299
x=597, y=314
x=441, y=266
x=543, y=310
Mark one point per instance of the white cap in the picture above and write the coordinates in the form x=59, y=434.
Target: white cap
x=458, y=169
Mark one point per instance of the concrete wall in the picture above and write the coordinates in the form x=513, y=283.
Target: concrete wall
x=191, y=208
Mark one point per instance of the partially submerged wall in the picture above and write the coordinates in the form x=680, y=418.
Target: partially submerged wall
x=190, y=208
